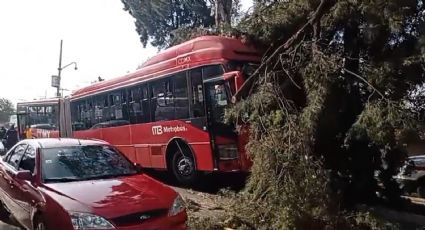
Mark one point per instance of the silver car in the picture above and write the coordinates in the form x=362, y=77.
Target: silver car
x=412, y=175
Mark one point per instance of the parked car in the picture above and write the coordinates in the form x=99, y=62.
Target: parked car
x=108, y=124
x=412, y=175
x=43, y=126
x=83, y=184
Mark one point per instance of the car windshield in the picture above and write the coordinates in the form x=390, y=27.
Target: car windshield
x=418, y=161
x=84, y=163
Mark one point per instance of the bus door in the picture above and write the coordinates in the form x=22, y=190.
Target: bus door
x=22, y=123
x=223, y=135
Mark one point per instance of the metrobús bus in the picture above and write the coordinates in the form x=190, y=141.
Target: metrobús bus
x=41, y=117
x=169, y=114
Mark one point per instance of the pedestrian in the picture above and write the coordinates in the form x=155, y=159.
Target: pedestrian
x=28, y=132
x=11, y=137
x=3, y=131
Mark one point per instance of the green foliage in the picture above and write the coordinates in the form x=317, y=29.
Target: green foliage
x=157, y=21
x=165, y=23
x=6, y=109
x=330, y=110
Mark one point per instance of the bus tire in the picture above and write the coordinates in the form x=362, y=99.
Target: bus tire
x=183, y=167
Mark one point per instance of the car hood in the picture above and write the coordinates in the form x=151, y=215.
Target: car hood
x=112, y=197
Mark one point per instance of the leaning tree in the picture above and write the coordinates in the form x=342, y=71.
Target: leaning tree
x=328, y=108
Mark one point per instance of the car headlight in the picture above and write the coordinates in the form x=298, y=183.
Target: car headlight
x=228, y=152
x=89, y=221
x=177, y=207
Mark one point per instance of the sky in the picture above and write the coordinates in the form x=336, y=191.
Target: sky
x=97, y=34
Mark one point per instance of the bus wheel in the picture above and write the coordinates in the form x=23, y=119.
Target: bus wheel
x=183, y=167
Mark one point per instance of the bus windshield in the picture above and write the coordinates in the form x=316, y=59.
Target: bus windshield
x=43, y=116
x=38, y=116
x=218, y=98
x=247, y=68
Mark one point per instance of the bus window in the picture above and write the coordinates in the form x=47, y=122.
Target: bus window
x=124, y=107
x=181, y=102
x=76, y=116
x=197, y=93
x=135, y=105
x=212, y=71
x=146, y=116
x=105, y=111
x=218, y=100
x=43, y=116
x=87, y=109
x=247, y=68
x=116, y=105
x=98, y=109
x=162, y=100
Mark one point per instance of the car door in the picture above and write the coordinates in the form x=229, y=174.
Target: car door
x=10, y=167
x=4, y=184
x=26, y=192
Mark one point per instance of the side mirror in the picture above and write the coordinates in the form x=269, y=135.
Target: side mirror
x=138, y=167
x=24, y=175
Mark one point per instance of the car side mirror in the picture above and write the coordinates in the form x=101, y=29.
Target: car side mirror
x=138, y=167
x=24, y=175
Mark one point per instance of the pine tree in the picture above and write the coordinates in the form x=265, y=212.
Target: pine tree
x=168, y=22
x=329, y=108
x=157, y=20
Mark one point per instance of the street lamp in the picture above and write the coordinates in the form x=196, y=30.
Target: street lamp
x=62, y=89
x=56, y=80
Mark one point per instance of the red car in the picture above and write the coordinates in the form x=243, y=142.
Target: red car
x=83, y=184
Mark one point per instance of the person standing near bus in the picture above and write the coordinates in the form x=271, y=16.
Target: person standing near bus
x=11, y=137
x=3, y=131
x=28, y=132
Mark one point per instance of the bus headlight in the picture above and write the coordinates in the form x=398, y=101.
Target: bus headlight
x=228, y=152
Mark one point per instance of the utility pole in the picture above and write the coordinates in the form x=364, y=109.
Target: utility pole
x=56, y=80
x=58, y=94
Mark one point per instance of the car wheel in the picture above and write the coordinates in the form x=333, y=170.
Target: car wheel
x=39, y=224
x=184, y=168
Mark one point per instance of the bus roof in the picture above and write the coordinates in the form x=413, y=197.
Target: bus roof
x=195, y=52
x=48, y=101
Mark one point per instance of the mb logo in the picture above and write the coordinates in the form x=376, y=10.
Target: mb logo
x=157, y=130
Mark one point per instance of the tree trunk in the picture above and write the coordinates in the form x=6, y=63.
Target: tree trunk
x=223, y=13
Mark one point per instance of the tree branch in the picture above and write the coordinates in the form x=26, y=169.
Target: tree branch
x=317, y=15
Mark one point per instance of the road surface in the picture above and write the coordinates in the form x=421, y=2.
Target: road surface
x=4, y=226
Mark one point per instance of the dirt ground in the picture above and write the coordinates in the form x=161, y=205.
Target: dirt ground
x=201, y=204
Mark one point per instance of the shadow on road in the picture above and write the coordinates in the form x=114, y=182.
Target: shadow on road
x=209, y=183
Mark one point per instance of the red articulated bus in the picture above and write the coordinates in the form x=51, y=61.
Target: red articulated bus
x=169, y=114
x=40, y=117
